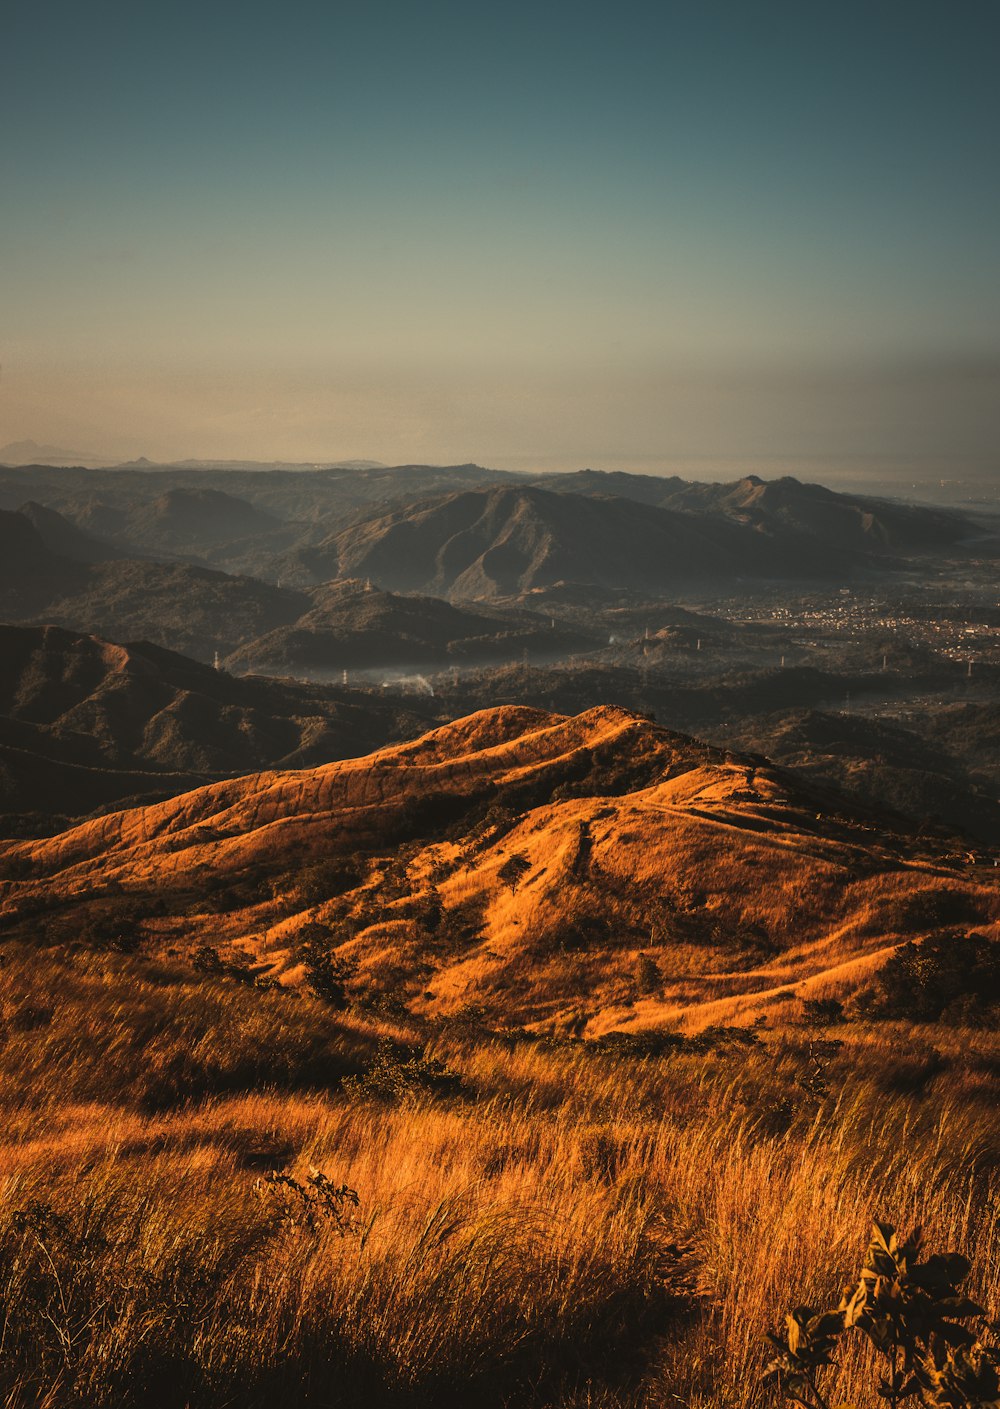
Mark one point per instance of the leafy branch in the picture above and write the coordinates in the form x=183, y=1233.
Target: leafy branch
x=911, y=1313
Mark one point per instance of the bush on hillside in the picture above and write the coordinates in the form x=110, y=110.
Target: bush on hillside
x=327, y=972
x=822, y=1012
x=321, y=880
x=394, y=1074
x=953, y=979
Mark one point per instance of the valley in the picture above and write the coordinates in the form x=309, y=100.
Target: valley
x=475, y=937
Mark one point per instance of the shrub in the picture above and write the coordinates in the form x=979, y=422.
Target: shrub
x=648, y=977
x=327, y=972
x=393, y=1076
x=311, y=1203
x=822, y=1012
x=322, y=880
x=910, y=1312
x=950, y=978
x=654, y=1042
x=208, y=960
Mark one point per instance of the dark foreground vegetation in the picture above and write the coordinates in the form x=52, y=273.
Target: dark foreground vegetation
x=216, y=1193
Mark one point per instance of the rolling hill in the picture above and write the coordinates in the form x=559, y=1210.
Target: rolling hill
x=191, y=609
x=66, y=539
x=85, y=723
x=185, y=520
x=30, y=573
x=355, y=626
x=521, y=862
x=180, y=605
x=53, y=571
x=940, y=769
x=157, y=504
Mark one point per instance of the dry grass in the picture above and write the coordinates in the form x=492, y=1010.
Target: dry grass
x=543, y=1223
x=737, y=892
x=571, y=1227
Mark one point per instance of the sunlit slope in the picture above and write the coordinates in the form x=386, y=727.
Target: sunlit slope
x=523, y=862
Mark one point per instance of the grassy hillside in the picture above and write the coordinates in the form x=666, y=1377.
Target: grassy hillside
x=539, y=1063
x=537, y=1224
x=520, y=861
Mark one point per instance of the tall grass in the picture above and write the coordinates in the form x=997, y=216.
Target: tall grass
x=568, y=1227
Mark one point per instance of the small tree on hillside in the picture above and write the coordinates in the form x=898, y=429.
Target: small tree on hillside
x=327, y=972
x=648, y=976
x=513, y=871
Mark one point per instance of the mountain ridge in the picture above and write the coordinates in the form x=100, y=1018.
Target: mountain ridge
x=507, y=541
x=736, y=878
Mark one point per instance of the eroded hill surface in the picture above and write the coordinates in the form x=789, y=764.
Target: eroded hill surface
x=505, y=541
x=593, y=872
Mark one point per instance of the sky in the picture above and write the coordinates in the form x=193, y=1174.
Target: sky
x=658, y=236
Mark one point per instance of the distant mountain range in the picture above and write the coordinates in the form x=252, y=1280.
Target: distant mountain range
x=174, y=558
x=510, y=540
x=282, y=524
x=29, y=452
x=295, y=495
x=191, y=608
x=852, y=522
x=52, y=571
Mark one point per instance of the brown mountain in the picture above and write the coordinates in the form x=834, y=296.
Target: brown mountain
x=84, y=722
x=356, y=626
x=508, y=541
x=855, y=523
x=517, y=861
x=941, y=770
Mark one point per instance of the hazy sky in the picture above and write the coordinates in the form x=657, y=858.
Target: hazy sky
x=552, y=234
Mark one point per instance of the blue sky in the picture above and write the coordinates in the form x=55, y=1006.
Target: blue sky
x=555, y=235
